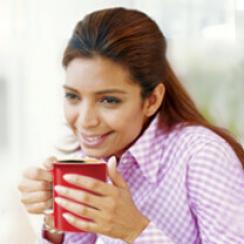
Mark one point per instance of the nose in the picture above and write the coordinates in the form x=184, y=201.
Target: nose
x=88, y=116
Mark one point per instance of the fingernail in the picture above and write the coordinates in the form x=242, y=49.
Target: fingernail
x=113, y=158
x=59, y=189
x=48, y=211
x=59, y=200
x=68, y=177
x=68, y=217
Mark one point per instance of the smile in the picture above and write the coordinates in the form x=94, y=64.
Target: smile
x=93, y=141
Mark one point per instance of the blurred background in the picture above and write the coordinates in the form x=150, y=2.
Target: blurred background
x=205, y=46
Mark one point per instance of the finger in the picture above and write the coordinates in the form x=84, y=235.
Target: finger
x=81, y=224
x=84, y=197
x=49, y=220
x=114, y=175
x=96, y=186
x=31, y=185
x=38, y=208
x=35, y=197
x=48, y=163
x=34, y=173
x=78, y=209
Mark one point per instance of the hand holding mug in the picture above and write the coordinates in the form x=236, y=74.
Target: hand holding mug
x=112, y=209
x=36, y=188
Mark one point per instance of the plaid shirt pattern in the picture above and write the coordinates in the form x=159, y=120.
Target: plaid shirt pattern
x=188, y=182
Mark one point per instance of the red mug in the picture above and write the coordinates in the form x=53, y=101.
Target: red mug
x=97, y=170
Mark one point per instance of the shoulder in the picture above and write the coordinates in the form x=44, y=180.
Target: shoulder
x=196, y=134
x=193, y=142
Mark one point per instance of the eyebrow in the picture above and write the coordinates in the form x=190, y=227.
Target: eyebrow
x=97, y=92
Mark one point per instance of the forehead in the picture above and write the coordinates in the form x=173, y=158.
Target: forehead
x=92, y=73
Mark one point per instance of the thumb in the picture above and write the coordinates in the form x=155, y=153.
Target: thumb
x=48, y=163
x=114, y=175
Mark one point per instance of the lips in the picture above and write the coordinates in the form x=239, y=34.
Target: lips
x=93, y=140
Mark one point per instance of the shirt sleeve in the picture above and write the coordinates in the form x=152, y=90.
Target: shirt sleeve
x=216, y=193
x=153, y=235
x=82, y=238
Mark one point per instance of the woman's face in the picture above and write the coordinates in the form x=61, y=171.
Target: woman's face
x=102, y=106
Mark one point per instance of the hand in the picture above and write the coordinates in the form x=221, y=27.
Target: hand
x=36, y=188
x=112, y=210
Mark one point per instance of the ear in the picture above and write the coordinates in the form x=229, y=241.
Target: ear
x=154, y=101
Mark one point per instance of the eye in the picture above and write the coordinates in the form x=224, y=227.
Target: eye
x=110, y=100
x=70, y=96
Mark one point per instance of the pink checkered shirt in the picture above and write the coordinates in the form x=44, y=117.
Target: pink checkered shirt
x=188, y=182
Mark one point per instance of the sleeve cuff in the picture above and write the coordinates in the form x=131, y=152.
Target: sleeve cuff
x=152, y=234
x=44, y=240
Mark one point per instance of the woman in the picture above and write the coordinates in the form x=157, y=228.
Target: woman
x=178, y=179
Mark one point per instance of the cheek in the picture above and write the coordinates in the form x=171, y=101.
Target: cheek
x=69, y=114
x=127, y=121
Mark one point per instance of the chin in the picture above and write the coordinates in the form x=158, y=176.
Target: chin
x=97, y=153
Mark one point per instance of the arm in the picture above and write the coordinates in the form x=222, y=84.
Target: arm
x=216, y=193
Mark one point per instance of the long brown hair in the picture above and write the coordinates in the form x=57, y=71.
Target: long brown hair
x=132, y=39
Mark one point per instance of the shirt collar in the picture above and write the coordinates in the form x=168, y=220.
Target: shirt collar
x=148, y=149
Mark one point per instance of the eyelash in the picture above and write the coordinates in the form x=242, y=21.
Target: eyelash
x=110, y=100
x=70, y=96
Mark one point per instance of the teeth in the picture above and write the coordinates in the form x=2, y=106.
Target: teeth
x=92, y=139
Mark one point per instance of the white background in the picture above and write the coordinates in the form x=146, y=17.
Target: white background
x=204, y=44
